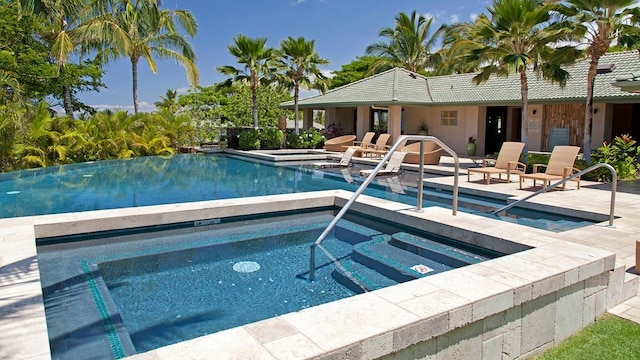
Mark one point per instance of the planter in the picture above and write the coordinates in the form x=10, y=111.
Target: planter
x=471, y=149
x=423, y=132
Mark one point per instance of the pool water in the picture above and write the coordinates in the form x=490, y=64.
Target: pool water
x=113, y=296
x=185, y=178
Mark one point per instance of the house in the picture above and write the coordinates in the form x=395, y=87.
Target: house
x=397, y=101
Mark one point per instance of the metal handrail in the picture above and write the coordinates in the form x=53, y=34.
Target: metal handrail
x=401, y=140
x=614, y=186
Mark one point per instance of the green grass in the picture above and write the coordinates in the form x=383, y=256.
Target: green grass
x=610, y=338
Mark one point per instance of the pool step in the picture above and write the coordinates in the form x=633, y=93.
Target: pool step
x=353, y=233
x=360, y=278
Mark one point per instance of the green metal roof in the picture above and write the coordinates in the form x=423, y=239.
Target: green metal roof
x=402, y=87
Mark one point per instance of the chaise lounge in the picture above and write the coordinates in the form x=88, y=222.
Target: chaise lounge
x=560, y=167
x=506, y=163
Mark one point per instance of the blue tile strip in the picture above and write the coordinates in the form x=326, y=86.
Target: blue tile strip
x=112, y=335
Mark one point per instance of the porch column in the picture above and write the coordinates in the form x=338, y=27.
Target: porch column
x=395, y=122
x=307, y=119
x=362, y=121
x=330, y=116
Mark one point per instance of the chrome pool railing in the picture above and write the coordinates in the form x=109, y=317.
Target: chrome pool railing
x=400, y=142
x=614, y=186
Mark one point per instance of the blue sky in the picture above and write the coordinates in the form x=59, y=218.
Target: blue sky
x=342, y=29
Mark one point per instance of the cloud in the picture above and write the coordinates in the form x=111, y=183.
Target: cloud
x=429, y=15
x=454, y=18
x=473, y=16
x=143, y=106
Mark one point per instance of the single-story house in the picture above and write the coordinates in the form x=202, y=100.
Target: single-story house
x=398, y=101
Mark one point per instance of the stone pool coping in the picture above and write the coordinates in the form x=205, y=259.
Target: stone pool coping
x=364, y=326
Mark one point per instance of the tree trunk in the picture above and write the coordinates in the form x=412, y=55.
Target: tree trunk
x=134, y=74
x=524, y=126
x=254, y=111
x=296, y=94
x=68, y=105
x=588, y=117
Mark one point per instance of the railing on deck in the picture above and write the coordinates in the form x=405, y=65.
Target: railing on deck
x=614, y=185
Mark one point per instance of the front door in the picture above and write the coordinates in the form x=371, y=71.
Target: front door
x=496, y=129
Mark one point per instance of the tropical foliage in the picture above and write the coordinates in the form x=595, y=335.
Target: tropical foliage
x=515, y=38
x=258, y=66
x=299, y=68
x=623, y=153
x=409, y=45
x=596, y=24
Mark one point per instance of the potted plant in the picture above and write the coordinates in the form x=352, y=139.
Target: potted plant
x=471, y=146
x=423, y=128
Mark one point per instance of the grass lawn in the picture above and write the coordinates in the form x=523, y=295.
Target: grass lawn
x=610, y=338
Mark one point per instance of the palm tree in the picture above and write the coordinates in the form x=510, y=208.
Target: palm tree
x=141, y=30
x=64, y=17
x=169, y=102
x=515, y=39
x=596, y=24
x=299, y=62
x=409, y=44
x=258, y=62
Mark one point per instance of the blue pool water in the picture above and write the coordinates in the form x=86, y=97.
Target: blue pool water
x=114, y=296
x=185, y=178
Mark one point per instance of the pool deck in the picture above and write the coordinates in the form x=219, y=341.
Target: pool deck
x=23, y=332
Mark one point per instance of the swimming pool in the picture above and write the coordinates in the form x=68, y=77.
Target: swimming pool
x=115, y=294
x=186, y=178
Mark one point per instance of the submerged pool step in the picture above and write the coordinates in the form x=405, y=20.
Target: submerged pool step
x=360, y=278
x=440, y=252
x=353, y=233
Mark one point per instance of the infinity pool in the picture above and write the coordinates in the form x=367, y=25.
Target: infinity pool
x=186, y=178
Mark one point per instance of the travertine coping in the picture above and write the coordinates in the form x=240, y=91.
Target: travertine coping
x=364, y=326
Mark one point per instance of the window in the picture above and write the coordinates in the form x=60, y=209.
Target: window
x=449, y=118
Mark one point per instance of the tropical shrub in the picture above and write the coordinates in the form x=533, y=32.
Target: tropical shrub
x=249, y=139
x=331, y=131
x=623, y=154
x=270, y=138
x=308, y=139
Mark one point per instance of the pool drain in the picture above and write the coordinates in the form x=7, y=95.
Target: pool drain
x=246, y=266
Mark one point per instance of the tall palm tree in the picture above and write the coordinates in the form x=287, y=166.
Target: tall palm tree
x=596, y=24
x=408, y=44
x=258, y=66
x=141, y=30
x=299, y=62
x=515, y=39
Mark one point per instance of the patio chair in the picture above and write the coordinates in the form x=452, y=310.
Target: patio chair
x=380, y=148
x=432, y=153
x=392, y=167
x=506, y=163
x=344, y=161
x=364, y=144
x=338, y=144
x=560, y=166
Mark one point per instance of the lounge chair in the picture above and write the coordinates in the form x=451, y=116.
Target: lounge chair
x=380, y=148
x=560, y=166
x=364, y=144
x=392, y=167
x=506, y=163
x=432, y=153
x=339, y=144
x=344, y=161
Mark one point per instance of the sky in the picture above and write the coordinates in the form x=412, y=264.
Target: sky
x=341, y=29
